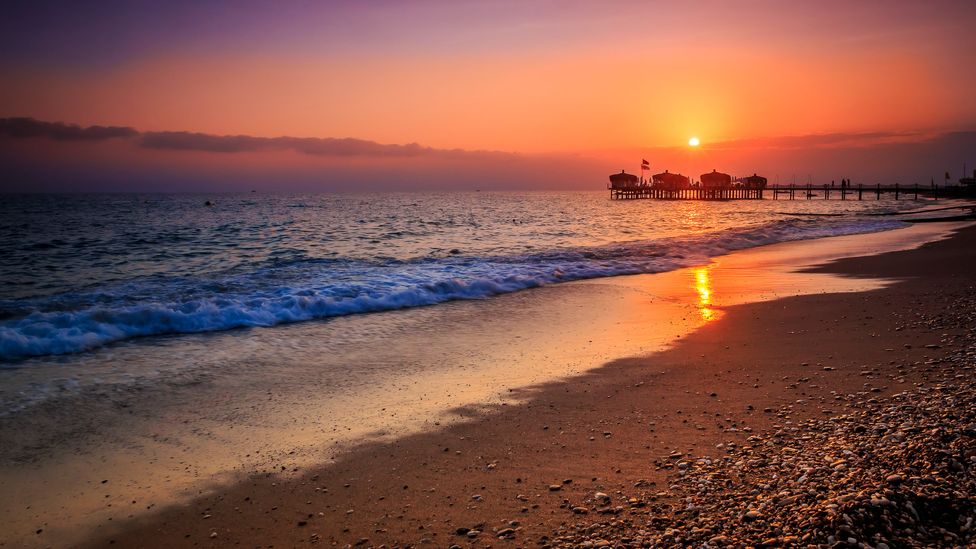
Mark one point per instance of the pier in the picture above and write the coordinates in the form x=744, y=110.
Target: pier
x=719, y=186
x=689, y=193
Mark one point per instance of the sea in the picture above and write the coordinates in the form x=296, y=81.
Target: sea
x=85, y=271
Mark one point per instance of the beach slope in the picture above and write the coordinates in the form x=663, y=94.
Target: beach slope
x=688, y=445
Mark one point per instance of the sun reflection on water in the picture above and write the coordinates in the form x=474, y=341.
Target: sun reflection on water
x=704, y=287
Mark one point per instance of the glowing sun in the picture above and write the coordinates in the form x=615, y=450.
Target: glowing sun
x=693, y=142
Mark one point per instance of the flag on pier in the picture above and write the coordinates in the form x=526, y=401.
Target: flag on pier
x=645, y=165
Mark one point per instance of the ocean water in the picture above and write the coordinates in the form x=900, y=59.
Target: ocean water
x=80, y=272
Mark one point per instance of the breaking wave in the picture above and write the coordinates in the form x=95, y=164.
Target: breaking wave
x=277, y=292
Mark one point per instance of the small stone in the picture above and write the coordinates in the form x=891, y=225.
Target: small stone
x=894, y=479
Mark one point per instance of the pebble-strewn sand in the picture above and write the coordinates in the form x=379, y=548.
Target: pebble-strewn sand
x=825, y=420
x=890, y=472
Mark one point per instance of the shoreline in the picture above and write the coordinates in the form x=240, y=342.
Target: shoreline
x=600, y=431
x=480, y=417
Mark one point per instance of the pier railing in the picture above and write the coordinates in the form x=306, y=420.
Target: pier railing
x=793, y=192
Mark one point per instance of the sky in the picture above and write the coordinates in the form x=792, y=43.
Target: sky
x=484, y=94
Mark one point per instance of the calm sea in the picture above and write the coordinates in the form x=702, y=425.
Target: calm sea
x=85, y=271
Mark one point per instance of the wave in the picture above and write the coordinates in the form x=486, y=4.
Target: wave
x=303, y=289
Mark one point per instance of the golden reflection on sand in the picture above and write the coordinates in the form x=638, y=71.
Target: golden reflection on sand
x=703, y=286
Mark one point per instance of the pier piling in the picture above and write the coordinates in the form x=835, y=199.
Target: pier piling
x=787, y=192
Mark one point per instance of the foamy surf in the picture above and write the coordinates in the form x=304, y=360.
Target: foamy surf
x=279, y=291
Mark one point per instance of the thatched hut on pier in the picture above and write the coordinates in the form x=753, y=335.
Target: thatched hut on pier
x=670, y=181
x=716, y=180
x=624, y=181
x=753, y=182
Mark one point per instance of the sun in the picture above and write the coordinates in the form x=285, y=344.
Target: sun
x=693, y=142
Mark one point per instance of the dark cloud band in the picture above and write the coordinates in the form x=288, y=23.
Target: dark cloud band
x=22, y=128
x=29, y=127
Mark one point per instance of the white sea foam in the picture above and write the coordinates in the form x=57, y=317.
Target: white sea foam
x=300, y=289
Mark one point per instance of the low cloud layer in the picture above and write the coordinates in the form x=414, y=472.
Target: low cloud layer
x=37, y=156
x=29, y=128
x=59, y=131
x=824, y=140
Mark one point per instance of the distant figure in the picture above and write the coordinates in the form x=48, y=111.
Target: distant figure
x=208, y=203
x=831, y=183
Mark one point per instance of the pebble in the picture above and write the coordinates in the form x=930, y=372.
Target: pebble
x=882, y=471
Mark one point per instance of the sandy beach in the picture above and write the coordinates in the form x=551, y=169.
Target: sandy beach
x=457, y=275
x=524, y=274
x=609, y=456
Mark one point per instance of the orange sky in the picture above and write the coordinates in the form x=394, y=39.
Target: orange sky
x=545, y=77
x=618, y=79
x=564, y=103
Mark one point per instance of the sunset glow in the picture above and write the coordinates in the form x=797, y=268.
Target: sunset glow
x=775, y=88
x=395, y=273
x=703, y=286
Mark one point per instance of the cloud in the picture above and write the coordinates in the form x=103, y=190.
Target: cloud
x=59, y=131
x=202, y=142
x=824, y=140
x=186, y=141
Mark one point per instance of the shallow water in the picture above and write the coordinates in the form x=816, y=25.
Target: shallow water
x=83, y=271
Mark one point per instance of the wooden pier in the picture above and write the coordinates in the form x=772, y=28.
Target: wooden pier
x=690, y=193
x=790, y=192
x=860, y=191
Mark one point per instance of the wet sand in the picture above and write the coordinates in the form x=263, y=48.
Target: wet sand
x=481, y=467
